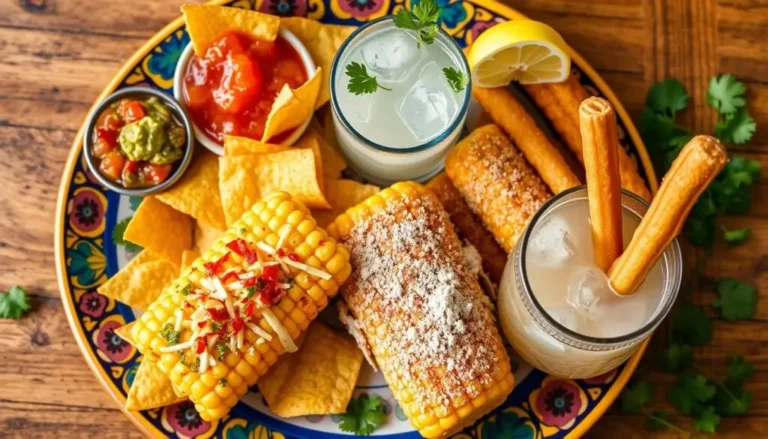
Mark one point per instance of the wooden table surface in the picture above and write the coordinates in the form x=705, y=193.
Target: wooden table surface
x=56, y=55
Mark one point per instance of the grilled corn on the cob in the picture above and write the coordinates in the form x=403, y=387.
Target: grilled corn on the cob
x=227, y=318
x=497, y=183
x=422, y=312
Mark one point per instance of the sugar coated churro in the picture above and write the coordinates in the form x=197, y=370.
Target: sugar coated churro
x=496, y=182
x=697, y=165
x=507, y=112
x=601, y=161
x=560, y=103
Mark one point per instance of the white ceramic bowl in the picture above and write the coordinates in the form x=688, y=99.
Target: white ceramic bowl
x=200, y=135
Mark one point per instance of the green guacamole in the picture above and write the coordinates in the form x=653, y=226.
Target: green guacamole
x=142, y=139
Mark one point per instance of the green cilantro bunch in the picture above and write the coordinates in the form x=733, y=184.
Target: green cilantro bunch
x=14, y=303
x=731, y=192
x=364, y=415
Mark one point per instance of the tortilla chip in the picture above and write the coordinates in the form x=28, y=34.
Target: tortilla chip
x=329, y=129
x=244, y=180
x=125, y=333
x=322, y=41
x=236, y=145
x=161, y=229
x=292, y=107
x=332, y=160
x=188, y=257
x=197, y=193
x=140, y=282
x=151, y=388
x=204, y=236
x=318, y=379
x=206, y=22
x=342, y=194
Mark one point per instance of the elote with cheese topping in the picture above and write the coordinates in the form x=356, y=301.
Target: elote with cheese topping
x=423, y=314
x=227, y=318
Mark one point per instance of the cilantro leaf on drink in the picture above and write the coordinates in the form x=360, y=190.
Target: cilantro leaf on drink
x=456, y=79
x=726, y=94
x=708, y=421
x=737, y=301
x=14, y=303
x=360, y=82
x=364, y=415
x=422, y=19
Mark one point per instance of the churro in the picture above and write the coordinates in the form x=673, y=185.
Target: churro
x=697, y=165
x=560, y=103
x=507, y=113
x=496, y=182
x=601, y=161
x=469, y=227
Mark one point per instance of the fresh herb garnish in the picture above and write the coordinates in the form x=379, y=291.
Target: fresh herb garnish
x=223, y=382
x=185, y=290
x=456, y=79
x=14, y=303
x=250, y=291
x=119, y=239
x=737, y=301
x=221, y=350
x=364, y=415
x=698, y=393
x=215, y=327
x=360, y=82
x=171, y=336
x=731, y=192
x=422, y=19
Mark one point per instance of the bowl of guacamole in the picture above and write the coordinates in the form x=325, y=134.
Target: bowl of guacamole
x=138, y=141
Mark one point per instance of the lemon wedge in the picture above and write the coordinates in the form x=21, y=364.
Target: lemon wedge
x=525, y=51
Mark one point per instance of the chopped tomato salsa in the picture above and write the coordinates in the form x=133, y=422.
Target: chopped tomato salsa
x=137, y=142
x=230, y=89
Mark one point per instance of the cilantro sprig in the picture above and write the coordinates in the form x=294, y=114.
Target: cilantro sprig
x=170, y=336
x=119, y=239
x=423, y=19
x=456, y=78
x=14, y=303
x=360, y=82
x=364, y=415
x=731, y=192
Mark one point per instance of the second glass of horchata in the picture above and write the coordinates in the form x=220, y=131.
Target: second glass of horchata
x=399, y=93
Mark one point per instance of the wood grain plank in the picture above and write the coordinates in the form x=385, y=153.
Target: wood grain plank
x=27, y=203
x=23, y=420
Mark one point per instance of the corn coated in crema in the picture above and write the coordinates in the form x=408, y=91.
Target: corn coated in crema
x=438, y=399
x=276, y=214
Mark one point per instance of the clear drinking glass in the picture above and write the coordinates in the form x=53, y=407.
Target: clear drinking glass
x=390, y=158
x=548, y=345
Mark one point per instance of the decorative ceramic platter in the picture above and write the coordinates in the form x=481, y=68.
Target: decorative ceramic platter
x=88, y=214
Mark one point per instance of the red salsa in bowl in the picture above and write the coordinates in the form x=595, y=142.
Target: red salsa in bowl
x=231, y=87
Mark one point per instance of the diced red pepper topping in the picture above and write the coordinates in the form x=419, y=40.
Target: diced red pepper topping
x=237, y=324
x=202, y=324
x=229, y=276
x=249, y=308
x=218, y=315
x=203, y=297
x=241, y=247
x=188, y=305
x=280, y=252
x=201, y=345
x=250, y=282
x=213, y=268
x=270, y=273
x=270, y=293
x=294, y=257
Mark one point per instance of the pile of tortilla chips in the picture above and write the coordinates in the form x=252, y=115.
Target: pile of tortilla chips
x=176, y=226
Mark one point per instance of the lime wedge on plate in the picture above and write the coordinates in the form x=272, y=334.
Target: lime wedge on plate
x=525, y=51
